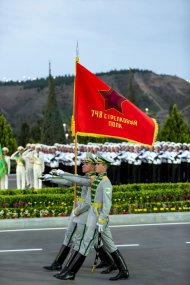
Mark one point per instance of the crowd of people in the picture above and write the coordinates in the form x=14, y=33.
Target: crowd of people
x=132, y=163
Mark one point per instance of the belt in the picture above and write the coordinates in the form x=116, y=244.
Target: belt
x=96, y=206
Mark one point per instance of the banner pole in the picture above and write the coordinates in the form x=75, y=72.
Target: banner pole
x=73, y=126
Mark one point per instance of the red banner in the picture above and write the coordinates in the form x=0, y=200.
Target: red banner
x=100, y=111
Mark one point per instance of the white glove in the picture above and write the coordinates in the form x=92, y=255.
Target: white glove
x=60, y=172
x=56, y=172
x=100, y=227
x=46, y=177
x=73, y=214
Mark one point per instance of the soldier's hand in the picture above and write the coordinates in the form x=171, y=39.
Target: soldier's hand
x=46, y=177
x=56, y=172
x=100, y=227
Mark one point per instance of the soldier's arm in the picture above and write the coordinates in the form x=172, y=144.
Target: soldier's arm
x=61, y=181
x=85, y=205
x=79, y=180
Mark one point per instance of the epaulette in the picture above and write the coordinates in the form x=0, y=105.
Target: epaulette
x=105, y=177
x=92, y=178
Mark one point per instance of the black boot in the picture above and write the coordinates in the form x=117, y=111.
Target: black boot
x=69, y=261
x=103, y=261
x=107, y=258
x=57, y=264
x=73, y=268
x=119, y=261
x=102, y=264
x=109, y=269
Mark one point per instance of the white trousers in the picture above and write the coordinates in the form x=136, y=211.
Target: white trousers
x=37, y=173
x=4, y=182
x=20, y=177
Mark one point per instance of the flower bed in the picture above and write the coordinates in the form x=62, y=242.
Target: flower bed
x=126, y=199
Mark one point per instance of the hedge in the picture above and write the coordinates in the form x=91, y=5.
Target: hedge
x=126, y=199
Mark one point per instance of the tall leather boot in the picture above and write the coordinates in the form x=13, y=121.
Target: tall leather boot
x=103, y=261
x=73, y=268
x=60, y=258
x=107, y=258
x=69, y=261
x=119, y=261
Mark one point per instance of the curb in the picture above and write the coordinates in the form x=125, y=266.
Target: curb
x=131, y=219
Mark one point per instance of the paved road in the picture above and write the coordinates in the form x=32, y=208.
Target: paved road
x=12, y=181
x=155, y=254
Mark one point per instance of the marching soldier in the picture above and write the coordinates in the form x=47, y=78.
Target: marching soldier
x=77, y=223
x=4, y=182
x=20, y=167
x=97, y=222
x=78, y=218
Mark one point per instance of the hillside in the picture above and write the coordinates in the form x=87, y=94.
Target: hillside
x=24, y=102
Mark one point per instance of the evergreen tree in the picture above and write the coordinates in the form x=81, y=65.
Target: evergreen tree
x=52, y=126
x=175, y=128
x=35, y=134
x=24, y=136
x=6, y=135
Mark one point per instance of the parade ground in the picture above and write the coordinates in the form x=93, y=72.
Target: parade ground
x=156, y=249
x=156, y=254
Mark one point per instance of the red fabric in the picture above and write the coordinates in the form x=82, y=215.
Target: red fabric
x=102, y=111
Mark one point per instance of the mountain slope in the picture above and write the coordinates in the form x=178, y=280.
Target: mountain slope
x=20, y=102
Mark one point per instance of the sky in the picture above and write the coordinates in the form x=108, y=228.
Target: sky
x=111, y=34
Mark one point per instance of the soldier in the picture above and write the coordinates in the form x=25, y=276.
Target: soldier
x=77, y=219
x=28, y=156
x=4, y=182
x=20, y=168
x=38, y=159
x=97, y=222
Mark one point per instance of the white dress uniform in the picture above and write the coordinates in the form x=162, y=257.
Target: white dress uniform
x=38, y=159
x=28, y=155
x=20, y=168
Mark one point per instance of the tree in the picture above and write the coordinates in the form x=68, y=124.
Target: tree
x=35, y=134
x=175, y=128
x=24, y=136
x=6, y=135
x=52, y=126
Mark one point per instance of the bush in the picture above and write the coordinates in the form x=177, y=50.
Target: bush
x=126, y=199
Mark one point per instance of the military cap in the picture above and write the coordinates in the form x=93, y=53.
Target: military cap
x=102, y=159
x=5, y=149
x=20, y=148
x=89, y=158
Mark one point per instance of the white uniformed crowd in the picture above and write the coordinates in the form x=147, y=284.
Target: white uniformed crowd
x=133, y=163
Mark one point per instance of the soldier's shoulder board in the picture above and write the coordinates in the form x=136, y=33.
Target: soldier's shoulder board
x=105, y=177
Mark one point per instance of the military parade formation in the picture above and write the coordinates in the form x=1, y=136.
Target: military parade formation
x=132, y=163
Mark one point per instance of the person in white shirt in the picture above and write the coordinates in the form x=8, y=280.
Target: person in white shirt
x=38, y=159
x=20, y=168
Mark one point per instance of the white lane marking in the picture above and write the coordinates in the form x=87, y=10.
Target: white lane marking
x=123, y=245
x=145, y=225
x=16, y=250
x=113, y=226
x=187, y=242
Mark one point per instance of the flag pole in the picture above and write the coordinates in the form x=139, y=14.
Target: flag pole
x=74, y=133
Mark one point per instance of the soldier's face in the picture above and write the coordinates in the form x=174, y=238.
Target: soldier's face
x=100, y=167
x=87, y=167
